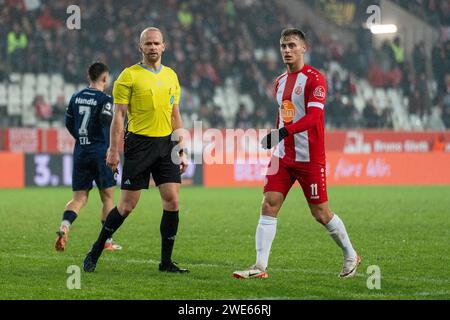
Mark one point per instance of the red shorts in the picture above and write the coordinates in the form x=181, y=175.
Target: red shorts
x=312, y=179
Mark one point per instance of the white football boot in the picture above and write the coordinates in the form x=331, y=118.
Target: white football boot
x=252, y=272
x=349, y=267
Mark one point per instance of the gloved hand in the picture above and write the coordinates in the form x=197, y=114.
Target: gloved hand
x=273, y=138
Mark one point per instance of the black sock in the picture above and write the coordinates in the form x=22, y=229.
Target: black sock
x=168, y=229
x=112, y=223
x=103, y=223
x=69, y=215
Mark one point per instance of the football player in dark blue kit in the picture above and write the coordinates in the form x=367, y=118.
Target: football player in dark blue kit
x=88, y=119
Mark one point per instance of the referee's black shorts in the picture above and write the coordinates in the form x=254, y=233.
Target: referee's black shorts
x=148, y=155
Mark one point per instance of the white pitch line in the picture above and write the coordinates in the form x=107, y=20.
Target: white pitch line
x=415, y=294
x=206, y=265
x=150, y=261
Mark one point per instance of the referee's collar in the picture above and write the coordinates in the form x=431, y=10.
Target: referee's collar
x=152, y=71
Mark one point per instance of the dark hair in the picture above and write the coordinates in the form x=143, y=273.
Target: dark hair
x=293, y=32
x=96, y=70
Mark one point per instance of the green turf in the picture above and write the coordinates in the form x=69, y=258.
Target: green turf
x=403, y=230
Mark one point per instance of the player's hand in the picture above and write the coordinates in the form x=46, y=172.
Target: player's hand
x=112, y=159
x=183, y=163
x=273, y=138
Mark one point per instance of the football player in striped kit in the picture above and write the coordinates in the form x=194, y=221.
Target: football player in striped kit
x=299, y=156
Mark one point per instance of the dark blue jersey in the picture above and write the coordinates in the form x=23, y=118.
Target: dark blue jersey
x=88, y=119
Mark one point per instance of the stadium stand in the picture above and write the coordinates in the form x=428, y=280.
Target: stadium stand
x=225, y=64
x=436, y=12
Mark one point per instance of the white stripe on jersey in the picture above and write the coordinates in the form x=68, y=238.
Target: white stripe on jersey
x=280, y=90
x=301, y=146
x=280, y=150
x=316, y=104
x=300, y=139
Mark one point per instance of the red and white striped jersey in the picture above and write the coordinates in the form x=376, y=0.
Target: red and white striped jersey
x=297, y=93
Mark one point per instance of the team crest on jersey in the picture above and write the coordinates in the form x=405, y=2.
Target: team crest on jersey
x=298, y=90
x=287, y=111
x=319, y=93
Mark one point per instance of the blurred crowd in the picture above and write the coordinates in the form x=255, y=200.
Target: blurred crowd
x=210, y=41
x=435, y=12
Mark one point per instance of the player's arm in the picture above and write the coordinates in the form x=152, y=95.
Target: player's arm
x=107, y=113
x=310, y=120
x=121, y=94
x=116, y=132
x=177, y=123
x=70, y=119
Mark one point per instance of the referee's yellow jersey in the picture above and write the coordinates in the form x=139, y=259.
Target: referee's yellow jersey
x=150, y=96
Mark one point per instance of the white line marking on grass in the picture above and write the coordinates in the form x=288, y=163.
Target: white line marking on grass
x=229, y=265
x=359, y=275
x=415, y=294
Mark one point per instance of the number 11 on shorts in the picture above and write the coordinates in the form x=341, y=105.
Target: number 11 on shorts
x=314, y=192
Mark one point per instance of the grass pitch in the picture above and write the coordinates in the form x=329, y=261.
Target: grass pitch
x=405, y=231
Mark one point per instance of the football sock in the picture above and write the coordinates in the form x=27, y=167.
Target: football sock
x=112, y=223
x=69, y=217
x=337, y=231
x=103, y=223
x=168, y=229
x=265, y=233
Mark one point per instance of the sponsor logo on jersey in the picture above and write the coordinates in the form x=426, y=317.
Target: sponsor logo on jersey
x=89, y=102
x=298, y=90
x=107, y=109
x=287, y=111
x=319, y=93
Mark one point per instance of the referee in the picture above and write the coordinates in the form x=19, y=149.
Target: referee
x=148, y=93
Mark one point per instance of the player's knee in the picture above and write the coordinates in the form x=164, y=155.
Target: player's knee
x=126, y=207
x=106, y=198
x=270, y=206
x=322, y=215
x=171, y=204
x=320, y=219
x=108, y=202
x=78, y=202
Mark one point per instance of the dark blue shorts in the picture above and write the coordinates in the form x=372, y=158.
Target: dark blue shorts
x=89, y=169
